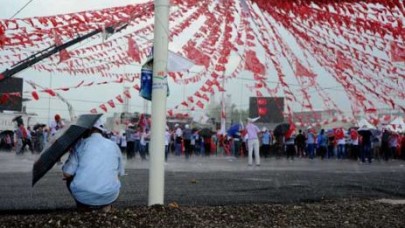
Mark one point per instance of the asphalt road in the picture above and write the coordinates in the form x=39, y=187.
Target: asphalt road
x=213, y=181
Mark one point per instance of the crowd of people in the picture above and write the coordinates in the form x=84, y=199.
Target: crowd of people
x=249, y=141
x=33, y=138
x=354, y=143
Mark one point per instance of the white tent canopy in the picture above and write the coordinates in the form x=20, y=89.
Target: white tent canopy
x=363, y=123
x=398, y=125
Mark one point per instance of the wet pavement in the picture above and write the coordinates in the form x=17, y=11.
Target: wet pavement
x=215, y=180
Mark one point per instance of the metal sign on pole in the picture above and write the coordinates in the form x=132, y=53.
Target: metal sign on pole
x=159, y=92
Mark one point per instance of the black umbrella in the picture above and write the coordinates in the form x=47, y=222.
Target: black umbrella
x=68, y=136
x=205, y=132
x=365, y=132
x=6, y=132
x=18, y=119
x=281, y=129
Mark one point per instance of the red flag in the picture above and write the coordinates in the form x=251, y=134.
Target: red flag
x=191, y=99
x=111, y=103
x=63, y=54
x=103, y=107
x=127, y=93
x=290, y=131
x=184, y=103
x=119, y=99
x=342, y=62
x=200, y=104
x=371, y=110
x=397, y=53
x=339, y=134
x=205, y=97
x=133, y=50
x=137, y=87
x=253, y=64
x=50, y=92
x=300, y=70
x=35, y=95
x=78, y=85
x=170, y=112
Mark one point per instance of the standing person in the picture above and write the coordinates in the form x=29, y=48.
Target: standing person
x=300, y=143
x=178, y=140
x=340, y=139
x=92, y=171
x=403, y=146
x=253, y=142
x=123, y=143
x=331, y=143
x=46, y=135
x=354, y=137
x=365, y=144
x=147, y=140
x=137, y=140
x=56, y=124
x=311, y=143
x=237, y=144
x=266, y=138
x=197, y=143
x=385, y=138
x=290, y=147
x=130, y=138
x=207, y=145
x=393, y=143
x=167, y=142
x=144, y=143
x=187, y=136
x=29, y=139
x=40, y=137
x=322, y=143
x=21, y=136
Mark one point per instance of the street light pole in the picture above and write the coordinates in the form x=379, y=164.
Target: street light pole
x=159, y=93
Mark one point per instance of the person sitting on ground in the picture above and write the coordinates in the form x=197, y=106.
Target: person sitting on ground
x=92, y=171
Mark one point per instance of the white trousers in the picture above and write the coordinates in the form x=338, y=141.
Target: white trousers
x=253, y=144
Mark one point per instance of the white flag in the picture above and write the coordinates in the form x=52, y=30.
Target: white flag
x=177, y=63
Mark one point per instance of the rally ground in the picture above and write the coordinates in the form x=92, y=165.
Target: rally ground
x=215, y=180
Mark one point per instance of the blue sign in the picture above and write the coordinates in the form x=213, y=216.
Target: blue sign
x=146, y=84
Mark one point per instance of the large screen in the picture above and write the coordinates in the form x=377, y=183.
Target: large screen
x=11, y=94
x=270, y=109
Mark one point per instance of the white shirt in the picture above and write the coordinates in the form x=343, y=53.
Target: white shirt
x=167, y=138
x=56, y=126
x=179, y=132
x=252, y=131
x=123, y=142
x=144, y=138
x=341, y=141
x=95, y=163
